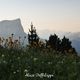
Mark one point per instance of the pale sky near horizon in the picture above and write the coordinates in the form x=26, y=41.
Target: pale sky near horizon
x=59, y=15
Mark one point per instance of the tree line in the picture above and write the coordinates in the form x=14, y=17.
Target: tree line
x=63, y=45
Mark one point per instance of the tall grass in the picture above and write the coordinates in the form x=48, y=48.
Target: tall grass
x=16, y=64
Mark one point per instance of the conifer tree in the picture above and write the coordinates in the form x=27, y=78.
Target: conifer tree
x=54, y=42
x=65, y=44
x=32, y=36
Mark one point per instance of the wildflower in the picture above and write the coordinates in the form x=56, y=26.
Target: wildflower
x=14, y=72
x=35, y=59
x=17, y=70
x=49, y=62
x=42, y=61
x=18, y=57
x=2, y=55
x=25, y=70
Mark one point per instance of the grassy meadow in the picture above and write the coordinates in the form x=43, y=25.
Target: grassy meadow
x=38, y=64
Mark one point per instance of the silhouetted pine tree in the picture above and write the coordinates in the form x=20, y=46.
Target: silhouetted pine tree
x=54, y=42
x=32, y=36
x=65, y=44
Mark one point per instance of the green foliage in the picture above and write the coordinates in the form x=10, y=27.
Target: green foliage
x=54, y=42
x=63, y=45
x=32, y=36
x=15, y=64
x=37, y=61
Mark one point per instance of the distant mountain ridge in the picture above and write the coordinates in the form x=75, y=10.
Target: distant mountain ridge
x=75, y=38
x=8, y=27
x=11, y=26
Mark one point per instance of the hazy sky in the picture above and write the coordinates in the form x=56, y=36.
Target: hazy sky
x=60, y=15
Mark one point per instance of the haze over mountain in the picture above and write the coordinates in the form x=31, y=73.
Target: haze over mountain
x=74, y=37
x=8, y=27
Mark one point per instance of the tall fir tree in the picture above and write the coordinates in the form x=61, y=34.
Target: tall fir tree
x=57, y=44
x=54, y=42
x=32, y=36
x=65, y=44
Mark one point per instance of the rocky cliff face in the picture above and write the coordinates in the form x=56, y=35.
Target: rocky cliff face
x=8, y=27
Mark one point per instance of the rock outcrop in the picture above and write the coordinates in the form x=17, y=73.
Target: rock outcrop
x=8, y=27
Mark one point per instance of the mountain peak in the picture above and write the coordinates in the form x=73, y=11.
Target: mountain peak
x=7, y=27
x=18, y=19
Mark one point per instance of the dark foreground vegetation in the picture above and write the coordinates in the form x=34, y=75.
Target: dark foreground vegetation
x=20, y=64
x=54, y=59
